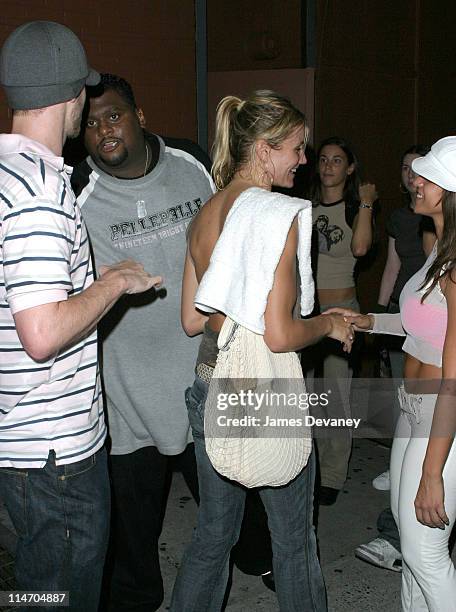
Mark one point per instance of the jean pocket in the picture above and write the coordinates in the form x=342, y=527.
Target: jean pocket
x=14, y=472
x=75, y=469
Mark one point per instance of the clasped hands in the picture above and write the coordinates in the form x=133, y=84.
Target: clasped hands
x=359, y=322
x=344, y=324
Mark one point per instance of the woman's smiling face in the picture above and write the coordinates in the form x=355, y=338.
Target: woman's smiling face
x=287, y=158
x=428, y=196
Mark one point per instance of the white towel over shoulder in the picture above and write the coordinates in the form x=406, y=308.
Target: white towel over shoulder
x=242, y=266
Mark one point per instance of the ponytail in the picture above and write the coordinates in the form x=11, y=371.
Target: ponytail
x=224, y=164
x=239, y=124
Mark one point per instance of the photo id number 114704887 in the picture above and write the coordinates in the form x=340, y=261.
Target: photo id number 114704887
x=37, y=599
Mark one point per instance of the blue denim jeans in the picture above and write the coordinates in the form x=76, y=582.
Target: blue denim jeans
x=387, y=528
x=202, y=579
x=61, y=516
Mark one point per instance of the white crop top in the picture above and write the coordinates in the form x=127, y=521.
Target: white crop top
x=423, y=324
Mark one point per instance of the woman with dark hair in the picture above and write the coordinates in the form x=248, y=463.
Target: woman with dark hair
x=259, y=142
x=411, y=238
x=423, y=456
x=410, y=241
x=342, y=218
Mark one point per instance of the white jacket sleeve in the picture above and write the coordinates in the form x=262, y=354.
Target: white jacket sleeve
x=390, y=324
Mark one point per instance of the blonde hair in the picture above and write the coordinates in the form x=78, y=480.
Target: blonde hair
x=240, y=123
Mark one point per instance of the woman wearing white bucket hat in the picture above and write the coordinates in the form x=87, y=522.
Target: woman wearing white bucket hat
x=423, y=457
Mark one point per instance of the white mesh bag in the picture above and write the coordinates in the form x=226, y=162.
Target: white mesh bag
x=255, y=456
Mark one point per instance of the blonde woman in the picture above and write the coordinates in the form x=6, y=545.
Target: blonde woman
x=259, y=142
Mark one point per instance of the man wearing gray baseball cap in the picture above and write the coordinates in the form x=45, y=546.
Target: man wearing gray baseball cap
x=53, y=476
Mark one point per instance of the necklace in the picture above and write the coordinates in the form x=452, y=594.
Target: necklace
x=140, y=204
x=332, y=203
x=146, y=166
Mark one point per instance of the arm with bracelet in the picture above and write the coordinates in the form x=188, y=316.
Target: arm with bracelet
x=362, y=225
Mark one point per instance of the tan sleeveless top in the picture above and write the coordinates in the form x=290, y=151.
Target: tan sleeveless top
x=336, y=262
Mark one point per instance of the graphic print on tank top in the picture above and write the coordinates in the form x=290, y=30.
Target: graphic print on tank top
x=328, y=235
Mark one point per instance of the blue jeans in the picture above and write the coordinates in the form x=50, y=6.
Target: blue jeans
x=387, y=528
x=61, y=516
x=202, y=579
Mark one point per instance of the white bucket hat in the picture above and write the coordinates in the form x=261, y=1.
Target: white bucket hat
x=439, y=165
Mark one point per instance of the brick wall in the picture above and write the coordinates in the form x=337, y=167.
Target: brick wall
x=149, y=42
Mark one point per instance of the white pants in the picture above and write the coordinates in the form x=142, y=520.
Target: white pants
x=428, y=575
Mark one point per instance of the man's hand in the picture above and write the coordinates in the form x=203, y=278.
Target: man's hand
x=46, y=329
x=136, y=279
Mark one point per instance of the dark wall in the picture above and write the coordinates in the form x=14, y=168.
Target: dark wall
x=385, y=73
x=149, y=42
x=254, y=35
x=436, y=69
x=385, y=79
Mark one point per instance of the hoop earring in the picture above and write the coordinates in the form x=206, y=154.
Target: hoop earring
x=271, y=174
x=267, y=178
x=402, y=189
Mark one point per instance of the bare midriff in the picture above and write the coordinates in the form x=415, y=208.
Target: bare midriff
x=215, y=321
x=416, y=371
x=333, y=296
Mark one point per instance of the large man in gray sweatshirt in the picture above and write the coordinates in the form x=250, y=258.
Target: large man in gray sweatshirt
x=138, y=193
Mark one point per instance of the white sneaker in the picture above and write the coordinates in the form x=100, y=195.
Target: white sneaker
x=382, y=482
x=381, y=553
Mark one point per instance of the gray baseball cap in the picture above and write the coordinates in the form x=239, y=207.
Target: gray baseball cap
x=43, y=63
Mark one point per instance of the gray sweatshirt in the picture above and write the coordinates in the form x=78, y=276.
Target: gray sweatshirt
x=148, y=361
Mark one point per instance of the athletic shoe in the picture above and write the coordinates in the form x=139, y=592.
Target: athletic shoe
x=381, y=553
x=382, y=482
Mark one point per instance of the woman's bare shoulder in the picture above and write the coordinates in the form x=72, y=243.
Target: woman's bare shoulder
x=206, y=216
x=213, y=214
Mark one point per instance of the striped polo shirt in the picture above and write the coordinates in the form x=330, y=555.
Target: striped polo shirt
x=54, y=404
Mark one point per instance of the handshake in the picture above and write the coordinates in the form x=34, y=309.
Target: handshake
x=344, y=324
